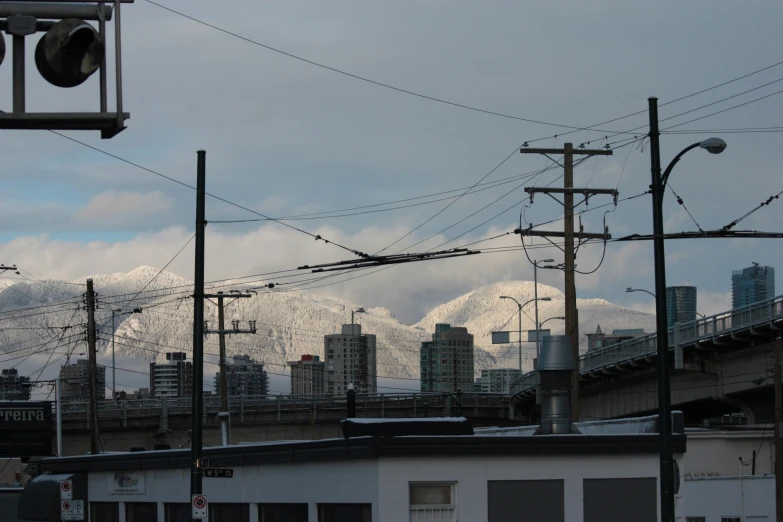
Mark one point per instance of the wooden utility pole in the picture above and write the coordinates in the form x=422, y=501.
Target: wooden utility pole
x=93, y=368
x=221, y=331
x=569, y=250
x=778, y=419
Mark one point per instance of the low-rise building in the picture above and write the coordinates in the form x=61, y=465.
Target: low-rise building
x=14, y=387
x=496, y=380
x=307, y=375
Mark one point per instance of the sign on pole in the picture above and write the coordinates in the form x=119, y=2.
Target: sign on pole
x=535, y=335
x=218, y=472
x=77, y=509
x=65, y=510
x=66, y=490
x=25, y=429
x=501, y=337
x=199, y=507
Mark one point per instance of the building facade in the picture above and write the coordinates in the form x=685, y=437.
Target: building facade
x=244, y=376
x=680, y=304
x=350, y=358
x=76, y=381
x=496, y=380
x=307, y=375
x=751, y=285
x=14, y=387
x=173, y=378
x=446, y=362
x=599, y=339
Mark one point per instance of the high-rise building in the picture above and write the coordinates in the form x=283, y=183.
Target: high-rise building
x=496, y=380
x=680, y=304
x=244, y=376
x=307, y=375
x=751, y=285
x=350, y=359
x=173, y=378
x=76, y=381
x=14, y=387
x=447, y=361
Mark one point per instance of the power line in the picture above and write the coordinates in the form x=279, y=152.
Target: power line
x=762, y=204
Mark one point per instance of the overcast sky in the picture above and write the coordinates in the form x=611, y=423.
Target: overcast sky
x=284, y=138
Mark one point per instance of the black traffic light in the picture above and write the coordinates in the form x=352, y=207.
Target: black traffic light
x=69, y=52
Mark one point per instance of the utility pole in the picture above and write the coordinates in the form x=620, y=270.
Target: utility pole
x=569, y=250
x=222, y=332
x=778, y=419
x=198, y=328
x=93, y=368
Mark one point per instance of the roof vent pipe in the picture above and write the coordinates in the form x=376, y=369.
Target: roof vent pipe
x=555, y=365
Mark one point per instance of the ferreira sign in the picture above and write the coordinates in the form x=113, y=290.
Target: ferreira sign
x=25, y=429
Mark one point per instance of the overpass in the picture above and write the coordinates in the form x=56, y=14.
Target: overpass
x=149, y=422
x=715, y=359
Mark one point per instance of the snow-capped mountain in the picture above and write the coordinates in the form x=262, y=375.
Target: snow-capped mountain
x=289, y=323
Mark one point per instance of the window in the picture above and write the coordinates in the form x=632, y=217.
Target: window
x=610, y=500
x=105, y=511
x=282, y=512
x=540, y=500
x=344, y=513
x=229, y=513
x=695, y=519
x=177, y=512
x=432, y=501
x=141, y=512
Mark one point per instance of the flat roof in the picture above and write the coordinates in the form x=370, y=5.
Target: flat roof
x=292, y=452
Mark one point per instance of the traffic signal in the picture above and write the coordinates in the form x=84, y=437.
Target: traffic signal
x=69, y=53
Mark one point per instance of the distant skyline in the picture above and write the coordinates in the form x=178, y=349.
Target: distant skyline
x=286, y=138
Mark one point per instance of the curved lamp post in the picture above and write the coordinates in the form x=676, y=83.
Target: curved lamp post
x=629, y=289
x=562, y=318
x=520, y=321
x=713, y=146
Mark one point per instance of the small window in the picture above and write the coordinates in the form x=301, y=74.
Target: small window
x=282, y=512
x=229, y=512
x=432, y=501
x=344, y=513
x=105, y=511
x=177, y=512
x=141, y=512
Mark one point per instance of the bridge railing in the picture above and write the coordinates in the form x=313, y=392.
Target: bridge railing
x=242, y=405
x=688, y=333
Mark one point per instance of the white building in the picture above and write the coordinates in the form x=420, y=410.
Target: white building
x=350, y=359
x=496, y=380
x=173, y=378
x=605, y=474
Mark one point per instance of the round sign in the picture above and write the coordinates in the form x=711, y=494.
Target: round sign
x=65, y=485
x=77, y=505
x=200, y=502
x=66, y=505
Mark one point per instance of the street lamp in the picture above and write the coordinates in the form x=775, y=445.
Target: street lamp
x=520, y=321
x=713, y=146
x=535, y=296
x=629, y=289
x=562, y=318
x=359, y=310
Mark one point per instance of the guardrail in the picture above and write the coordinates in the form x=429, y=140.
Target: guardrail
x=686, y=333
x=242, y=405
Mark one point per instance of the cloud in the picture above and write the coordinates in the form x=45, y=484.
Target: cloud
x=115, y=205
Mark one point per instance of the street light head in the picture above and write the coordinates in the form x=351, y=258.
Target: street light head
x=713, y=145
x=547, y=260
x=545, y=299
x=360, y=310
x=117, y=310
x=504, y=297
x=629, y=289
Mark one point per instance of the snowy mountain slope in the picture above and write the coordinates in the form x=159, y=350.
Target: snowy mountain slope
x=289, y=323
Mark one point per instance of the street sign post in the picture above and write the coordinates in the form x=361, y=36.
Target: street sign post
x=66, y=490
x=66, y=512
x=501, y=337
x=218, y=472
x=199, y=507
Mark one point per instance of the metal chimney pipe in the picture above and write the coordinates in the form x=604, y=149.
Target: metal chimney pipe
x=555, y=365
x=223, y=418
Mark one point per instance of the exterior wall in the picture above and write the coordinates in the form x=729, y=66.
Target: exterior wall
x=496, y=380
x=244, y=376
x=718, y=453
x=350, y=357
x=174, y=379
x=716, y=497
x=14, y=387
x=307, y=376
x=447, y=362
x=680, y=304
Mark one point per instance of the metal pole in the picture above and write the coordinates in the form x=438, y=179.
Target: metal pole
x=93, y=368
x=102, y=72
x=223, y=417
x=118, y=63
x=538, y=325
x=778, y=434
x=571, y=322
x=113, y=367
x=520, y=337
x=198, y=329
x=222, y=337
x=742, y=493
x=662, y=338
x=18, y=74
x=59, y=393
